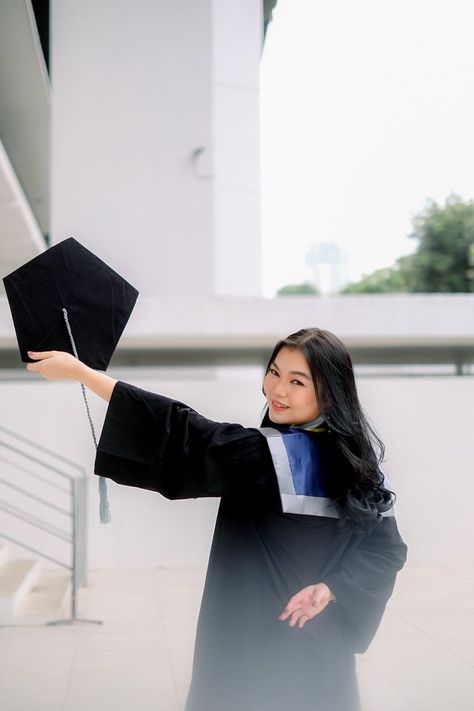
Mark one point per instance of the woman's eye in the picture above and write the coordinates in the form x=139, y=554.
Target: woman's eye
x=298, y=382
x=273, y=371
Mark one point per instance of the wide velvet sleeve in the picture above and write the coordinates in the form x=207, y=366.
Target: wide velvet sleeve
x=364, y=580
x=153, y=442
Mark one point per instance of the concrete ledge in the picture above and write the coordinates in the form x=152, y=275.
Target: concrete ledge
x=393, y=329
x=360, y=321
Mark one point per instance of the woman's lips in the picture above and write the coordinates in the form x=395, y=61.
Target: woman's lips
x=278, y=405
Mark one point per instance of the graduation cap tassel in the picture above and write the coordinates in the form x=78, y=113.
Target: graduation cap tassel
x=104, y=508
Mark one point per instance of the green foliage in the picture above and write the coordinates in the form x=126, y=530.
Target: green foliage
x=443, y=261
x=391, y=279
x=445, y=251
x=303, y=289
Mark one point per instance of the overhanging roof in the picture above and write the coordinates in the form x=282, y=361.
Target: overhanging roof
x=21, y=238
x=25, y=135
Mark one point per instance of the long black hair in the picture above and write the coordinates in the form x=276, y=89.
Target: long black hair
x=357, y=480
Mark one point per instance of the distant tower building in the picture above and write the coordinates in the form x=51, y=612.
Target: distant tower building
x=328, y=265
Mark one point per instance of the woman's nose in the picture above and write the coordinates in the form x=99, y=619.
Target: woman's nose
x=280, y=389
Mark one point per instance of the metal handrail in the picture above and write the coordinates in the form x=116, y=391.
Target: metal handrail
x=43, y=449
x=75, y=489
x=35, y=475
x=47, y=466
x=36, y=551
x=36, y=522
x=36, y=498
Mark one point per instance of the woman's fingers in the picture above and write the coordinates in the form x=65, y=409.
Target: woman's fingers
x=53, y=365
x=295, y=617
x=306, y=604
x=40, y=355
x=295, y=602
x=302, y=620
x=301, y=616
x=295, y=610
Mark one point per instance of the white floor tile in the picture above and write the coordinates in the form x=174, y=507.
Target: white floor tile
x=421, y=660
x=43, y=690
x=42, y=652
x=439, y=693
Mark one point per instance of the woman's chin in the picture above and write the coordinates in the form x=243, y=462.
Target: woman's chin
x=279, y=418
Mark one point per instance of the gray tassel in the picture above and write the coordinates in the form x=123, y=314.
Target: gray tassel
x=104, y=508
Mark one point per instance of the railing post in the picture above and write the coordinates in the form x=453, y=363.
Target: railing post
x=82, y=516
x=74, y=512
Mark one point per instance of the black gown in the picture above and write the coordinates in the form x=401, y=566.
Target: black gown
x=245, y=659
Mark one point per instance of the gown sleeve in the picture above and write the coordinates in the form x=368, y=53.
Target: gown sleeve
x=152, y=442
x=364, y=580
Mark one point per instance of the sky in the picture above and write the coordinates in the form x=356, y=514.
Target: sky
x=367, y=111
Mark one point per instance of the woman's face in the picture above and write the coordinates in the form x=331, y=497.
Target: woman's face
x=289, y=389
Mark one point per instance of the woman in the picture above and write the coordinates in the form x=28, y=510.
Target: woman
x=306, y=548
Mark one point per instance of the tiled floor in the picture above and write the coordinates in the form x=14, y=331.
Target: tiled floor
x=140, y=658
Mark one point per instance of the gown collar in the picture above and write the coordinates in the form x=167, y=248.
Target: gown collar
x=313, y=425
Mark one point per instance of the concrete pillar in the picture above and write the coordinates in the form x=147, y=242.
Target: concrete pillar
x=237, y=45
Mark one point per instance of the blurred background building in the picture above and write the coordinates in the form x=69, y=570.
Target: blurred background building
x=328, y=268
x=134, y=127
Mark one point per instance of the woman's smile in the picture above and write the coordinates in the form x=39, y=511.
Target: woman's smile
x=278, y=405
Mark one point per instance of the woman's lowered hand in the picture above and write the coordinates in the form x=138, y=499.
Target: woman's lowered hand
x=306, y=604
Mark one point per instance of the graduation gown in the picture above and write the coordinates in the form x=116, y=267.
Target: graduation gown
x=245, y=658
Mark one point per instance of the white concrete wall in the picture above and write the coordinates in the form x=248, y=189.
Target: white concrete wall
x=131, y=102
x=425, y=422
x=155, y=140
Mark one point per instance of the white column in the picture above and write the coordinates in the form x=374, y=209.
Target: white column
x=237, y=44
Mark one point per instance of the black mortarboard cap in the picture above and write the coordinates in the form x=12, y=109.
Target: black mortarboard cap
x=67, y=299
x=98, y=302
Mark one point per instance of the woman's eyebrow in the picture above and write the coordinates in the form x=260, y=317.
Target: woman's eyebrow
x=294, y=372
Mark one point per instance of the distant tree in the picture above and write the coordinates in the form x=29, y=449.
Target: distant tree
x=444, y=258
x=445, y=254
x=390, y=279
x=303, y=289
